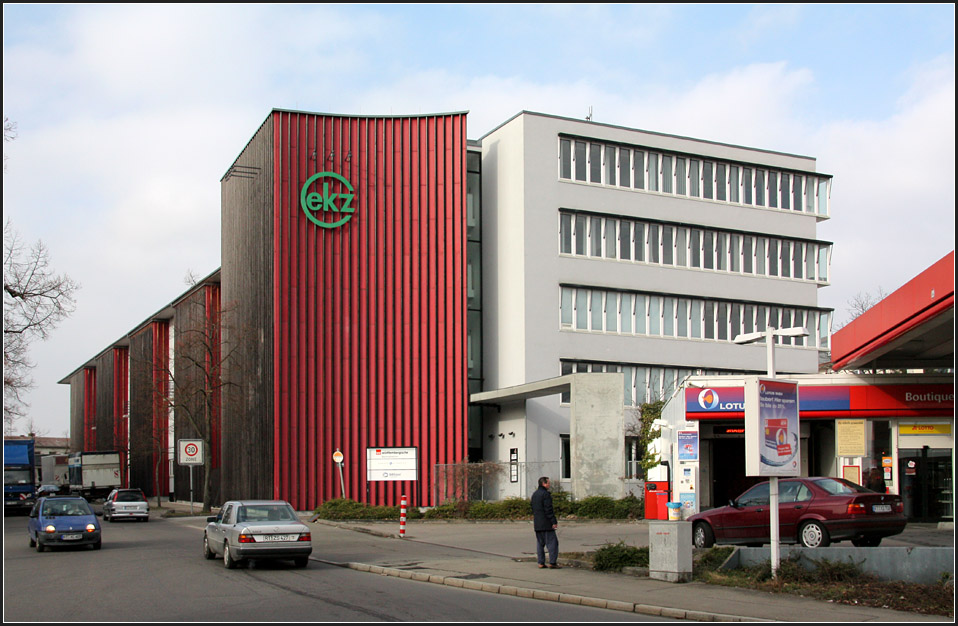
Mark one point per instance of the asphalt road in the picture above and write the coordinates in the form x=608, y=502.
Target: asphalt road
x=156, y=572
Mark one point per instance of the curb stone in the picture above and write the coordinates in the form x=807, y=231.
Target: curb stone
x=539, y=594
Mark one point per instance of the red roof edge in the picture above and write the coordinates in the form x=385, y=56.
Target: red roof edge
x=920, y=299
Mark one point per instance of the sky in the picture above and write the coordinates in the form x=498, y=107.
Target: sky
x=129, y=115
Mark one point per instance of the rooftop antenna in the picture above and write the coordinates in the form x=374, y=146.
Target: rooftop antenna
x=588, y=117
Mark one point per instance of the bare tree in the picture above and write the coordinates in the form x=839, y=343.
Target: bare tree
x=192, y=385
x=35, y=300
x=861, y=302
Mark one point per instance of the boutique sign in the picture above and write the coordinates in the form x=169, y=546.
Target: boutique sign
x=334, y=206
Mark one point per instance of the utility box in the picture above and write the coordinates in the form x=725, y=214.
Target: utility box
x=670, y=551
x=656, y=500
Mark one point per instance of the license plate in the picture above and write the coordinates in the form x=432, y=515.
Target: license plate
x=280, y=537
x=72, y=537
x=881, y=508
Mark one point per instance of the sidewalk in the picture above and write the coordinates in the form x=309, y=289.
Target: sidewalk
x=499, y=557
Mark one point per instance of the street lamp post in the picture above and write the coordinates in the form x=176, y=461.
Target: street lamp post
x=769, y=336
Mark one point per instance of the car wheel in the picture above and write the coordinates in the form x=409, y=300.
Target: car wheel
x=702, y=536
x=33, y=543
x=813, y=535
x=228, y=559
x=207, y=552
x=39, y=545
x=301, y=561
x=98, y=545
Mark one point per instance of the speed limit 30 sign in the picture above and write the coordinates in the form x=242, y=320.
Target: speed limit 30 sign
x=190, y=451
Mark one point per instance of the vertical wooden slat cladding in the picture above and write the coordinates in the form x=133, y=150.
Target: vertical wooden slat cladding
x=149, y=375
x=104, y=420
x=161, y=405
x=248, y=214
x=141, y=410
x=89, y=409
x=197, y=383
x=77, y=407
x=368, y=319
x=120, y=402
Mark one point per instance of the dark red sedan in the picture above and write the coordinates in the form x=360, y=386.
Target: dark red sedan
x=812, y=512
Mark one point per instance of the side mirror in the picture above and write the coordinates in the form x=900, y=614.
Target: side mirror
x=212, y=518
x=98, y=513
x=733, y=504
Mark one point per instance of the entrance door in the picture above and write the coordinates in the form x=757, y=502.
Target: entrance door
x=728, y=470
x=925, y=478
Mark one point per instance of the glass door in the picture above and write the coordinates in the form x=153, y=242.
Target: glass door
x=924, y=476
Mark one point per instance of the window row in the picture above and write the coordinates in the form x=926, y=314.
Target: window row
x=637, y=313
x=638, y=168
x=684, y=246
x=642, y=383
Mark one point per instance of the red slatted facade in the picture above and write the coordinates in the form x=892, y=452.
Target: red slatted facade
x=121, y=398
x=369, y=318
x=211, y=294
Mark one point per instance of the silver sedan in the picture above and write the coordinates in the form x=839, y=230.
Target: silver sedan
x=248, y=530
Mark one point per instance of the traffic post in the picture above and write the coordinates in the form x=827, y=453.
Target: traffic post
x=338, y=459
x=191, y=453
x=402, y=518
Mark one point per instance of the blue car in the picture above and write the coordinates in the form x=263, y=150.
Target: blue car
x=63, y=521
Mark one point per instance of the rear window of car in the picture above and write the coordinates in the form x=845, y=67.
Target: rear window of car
x=130, y=496
x=839, y=487
x=266, y=513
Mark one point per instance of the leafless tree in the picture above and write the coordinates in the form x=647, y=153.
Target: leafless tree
x=861, y=302
x=9, y=134
x=196, y=392
x=35, y=300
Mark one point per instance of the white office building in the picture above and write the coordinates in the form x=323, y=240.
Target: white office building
x=616, y=250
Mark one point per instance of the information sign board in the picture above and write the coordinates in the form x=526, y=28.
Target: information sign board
x=392, y=464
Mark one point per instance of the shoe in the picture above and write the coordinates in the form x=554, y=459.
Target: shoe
x=554, y=566
x=541, y=566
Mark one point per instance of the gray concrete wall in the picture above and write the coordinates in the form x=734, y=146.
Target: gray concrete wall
x=917, y=564
x=597, y=441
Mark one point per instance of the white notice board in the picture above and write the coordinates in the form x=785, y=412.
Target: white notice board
x=392, y=464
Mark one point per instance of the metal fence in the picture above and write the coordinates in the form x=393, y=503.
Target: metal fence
x=490, y=481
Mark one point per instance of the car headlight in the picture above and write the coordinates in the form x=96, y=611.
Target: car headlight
x=50, y=528
x=90, y=528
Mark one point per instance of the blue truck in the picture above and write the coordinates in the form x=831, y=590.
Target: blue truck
x=19, y=474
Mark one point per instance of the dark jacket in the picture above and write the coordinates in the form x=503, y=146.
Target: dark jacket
x=543, y=517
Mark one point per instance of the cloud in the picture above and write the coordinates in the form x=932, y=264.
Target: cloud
x=894, y=192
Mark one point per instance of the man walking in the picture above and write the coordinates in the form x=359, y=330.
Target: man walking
x=544, y=523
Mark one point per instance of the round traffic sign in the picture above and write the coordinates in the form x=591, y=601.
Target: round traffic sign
x=338, y=456
x=191, y=449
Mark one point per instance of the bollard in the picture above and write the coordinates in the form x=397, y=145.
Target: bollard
x=402, y=517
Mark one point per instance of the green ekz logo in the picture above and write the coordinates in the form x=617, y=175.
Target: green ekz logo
x=316, y=205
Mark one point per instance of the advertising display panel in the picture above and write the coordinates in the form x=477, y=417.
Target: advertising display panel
x=771, y=428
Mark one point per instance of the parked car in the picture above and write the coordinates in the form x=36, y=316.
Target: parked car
x=248, y=530
x=126, y=504
x=63, y=521
x=813, y=512
x=48, y=490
